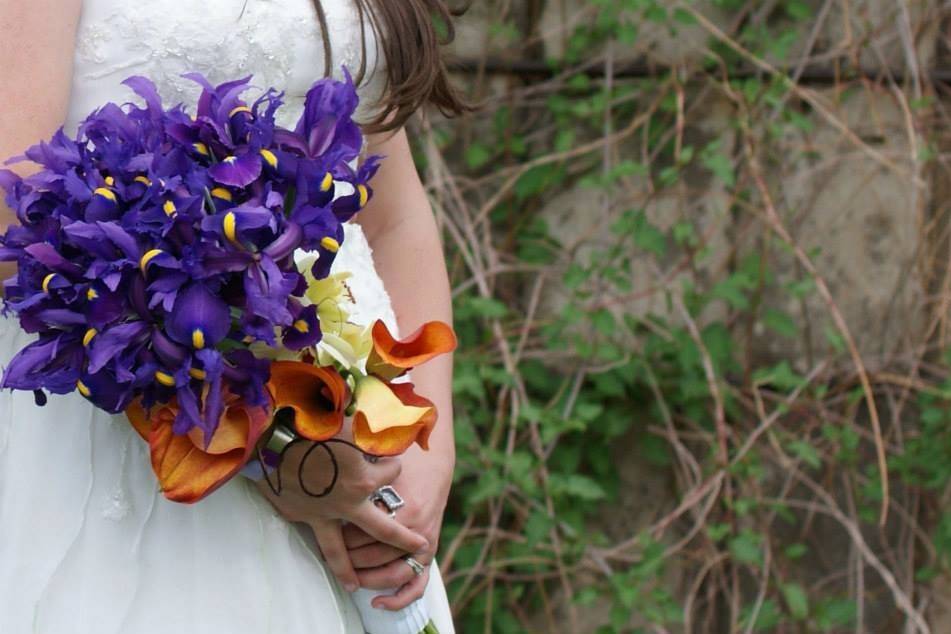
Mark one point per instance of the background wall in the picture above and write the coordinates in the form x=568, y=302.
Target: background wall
x=701, y=267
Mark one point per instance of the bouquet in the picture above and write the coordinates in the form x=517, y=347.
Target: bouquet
x=177, y=268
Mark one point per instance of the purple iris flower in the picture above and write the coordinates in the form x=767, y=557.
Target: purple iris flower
x=304, y=331
x=105, y=391
x=53, y=363
x=326, y=125
x=153, y=247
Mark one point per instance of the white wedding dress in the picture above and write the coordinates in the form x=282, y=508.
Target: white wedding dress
x=87, y=542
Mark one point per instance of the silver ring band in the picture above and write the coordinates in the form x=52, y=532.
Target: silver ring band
x=417, y=567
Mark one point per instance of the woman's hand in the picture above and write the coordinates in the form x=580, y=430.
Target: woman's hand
x=348, y=501
x=424, y=486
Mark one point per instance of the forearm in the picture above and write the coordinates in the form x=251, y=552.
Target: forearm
x=411, y=264
x=407, y=248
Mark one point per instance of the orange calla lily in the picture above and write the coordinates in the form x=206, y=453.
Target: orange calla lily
x=186, y=470
x=390, y=417
x=318, y=396
x=391, y=357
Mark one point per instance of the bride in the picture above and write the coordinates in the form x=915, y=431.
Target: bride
x=87, y=542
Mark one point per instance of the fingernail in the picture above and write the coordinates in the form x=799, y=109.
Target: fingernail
x=378, y=605
x=351, y=587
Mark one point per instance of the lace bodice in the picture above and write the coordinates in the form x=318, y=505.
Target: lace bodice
x=278, y=41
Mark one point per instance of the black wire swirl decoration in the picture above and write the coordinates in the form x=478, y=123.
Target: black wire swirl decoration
x=278, y=487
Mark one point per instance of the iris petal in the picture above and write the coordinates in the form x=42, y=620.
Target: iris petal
x=198, y=316
x=237, y=171
x=250, y=223
x=106, y=345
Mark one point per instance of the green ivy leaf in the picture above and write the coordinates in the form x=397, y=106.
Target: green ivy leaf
x=684, y=17
x=798, y=10
x=747, y=547
x=806, y=452
x=780, y=322
x=835, y=613
x=768, y=617
x=796, y=600
x=477, y=155
x=577, y=486
x=796, y=551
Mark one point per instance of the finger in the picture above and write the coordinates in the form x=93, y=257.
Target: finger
x=384, y=471
x=373, y=556
x=330, y=540
x=379, y=525
x=404, y=596
x=392, y=575
x=356, y=537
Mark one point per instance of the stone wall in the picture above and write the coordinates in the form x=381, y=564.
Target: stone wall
x=859, y=186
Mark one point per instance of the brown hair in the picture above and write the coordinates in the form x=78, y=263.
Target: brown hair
x=408, y=32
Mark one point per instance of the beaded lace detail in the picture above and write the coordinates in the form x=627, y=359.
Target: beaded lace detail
x=277, y=41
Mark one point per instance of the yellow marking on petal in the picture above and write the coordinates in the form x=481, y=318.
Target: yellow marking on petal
x=222, y=193
x=164, y=378
x=364, y=195
x=201, y=148
x=144, y=180
x=169, y=208
x=230, y=227
x=105, y=193
x=269, y=157
x=91, y=294
x=195, y=373
x=327, y=183
x=198, y=339
x=83, y=389
x=301, y=326
x=46, y=282
x=330, y=244
x=239, y=109
x=110, y=181
x=88, y=337
x=231, y=160
x=148, y=257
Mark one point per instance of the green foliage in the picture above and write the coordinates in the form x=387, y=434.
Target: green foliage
x=652, y=349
